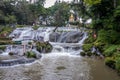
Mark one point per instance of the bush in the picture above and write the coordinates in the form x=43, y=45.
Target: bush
x=109, y=61
x=110, y=50
x=87, y=47
x=44, y=47
x=118, y=65
x=30, y=55
x=2, y=48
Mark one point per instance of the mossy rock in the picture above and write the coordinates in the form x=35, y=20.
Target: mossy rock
x=11, y=53
x=30, y=54
x=89, y=53
x=45, y=47
x=82, y=53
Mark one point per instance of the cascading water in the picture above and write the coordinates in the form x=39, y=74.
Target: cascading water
x=63, y=63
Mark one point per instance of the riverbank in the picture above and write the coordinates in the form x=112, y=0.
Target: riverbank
x=107, y=43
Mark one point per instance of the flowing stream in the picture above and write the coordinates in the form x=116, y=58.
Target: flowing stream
x=63, y=63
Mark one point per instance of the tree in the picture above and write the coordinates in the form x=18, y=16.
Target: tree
x=60, y=11
x=92, y=2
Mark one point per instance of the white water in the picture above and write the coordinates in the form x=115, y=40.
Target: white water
x=65, y=63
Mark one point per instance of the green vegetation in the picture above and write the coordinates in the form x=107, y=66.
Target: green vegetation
x=87, y=47
x=45, y=47
x=21, y=11
x=2, y=48
x=110, y=62
x=105, y=24
x=30, y=54
x=60, y=11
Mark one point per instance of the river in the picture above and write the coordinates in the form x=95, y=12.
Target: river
x=61, y=64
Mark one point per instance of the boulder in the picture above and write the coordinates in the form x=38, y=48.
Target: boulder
x=54, y=37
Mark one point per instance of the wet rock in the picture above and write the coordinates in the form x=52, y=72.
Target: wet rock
x=74, y=37
x=44, y=47
x=66, y=37
x=54, y=37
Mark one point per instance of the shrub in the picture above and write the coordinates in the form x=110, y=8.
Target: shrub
x=87, y=47
x=118, y=65
x=44, y=47
x=90, y=38
x=110, y=50
x=2, y=48
x=109, y=61
x=30, y=55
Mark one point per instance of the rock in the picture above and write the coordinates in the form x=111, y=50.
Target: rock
x=67, y=37
x=44, y=47
x=74, y=37
x=54, y=37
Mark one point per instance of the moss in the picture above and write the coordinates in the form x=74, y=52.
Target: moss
x=60, y=68
x=20, y=26
x=35, y=27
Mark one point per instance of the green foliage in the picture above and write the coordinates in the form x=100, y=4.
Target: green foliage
x=116, y=20
x=22, y=11
x=35, y=27
x=2, y=48
x=44, y=47
x=109, y=61
x=105, y=37
x=30, y=55
x=87, y=47
x=5, y=30
x=118, y=65
x=109, y=51
x=20, y=26
x=90, y=38
x=91, y=2
x=60, y=12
